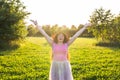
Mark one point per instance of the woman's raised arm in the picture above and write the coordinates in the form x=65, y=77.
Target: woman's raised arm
x=72, y=39
x=47, y=37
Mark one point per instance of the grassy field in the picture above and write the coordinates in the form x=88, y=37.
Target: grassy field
x=32, y=61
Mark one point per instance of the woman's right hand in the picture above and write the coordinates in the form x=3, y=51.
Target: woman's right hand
x=35, y=22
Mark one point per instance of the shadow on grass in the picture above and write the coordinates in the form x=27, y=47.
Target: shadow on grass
x=8, y=49
x=112, y=45
x=95, y=77
x=90, y=78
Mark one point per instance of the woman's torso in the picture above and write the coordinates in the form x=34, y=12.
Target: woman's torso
x=59, y=52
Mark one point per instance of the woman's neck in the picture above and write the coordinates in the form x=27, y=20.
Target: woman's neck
x=60, y=43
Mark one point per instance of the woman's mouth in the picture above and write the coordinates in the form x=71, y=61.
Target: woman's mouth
x=60, y=39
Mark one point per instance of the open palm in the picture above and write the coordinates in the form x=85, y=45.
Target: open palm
x=34, y=21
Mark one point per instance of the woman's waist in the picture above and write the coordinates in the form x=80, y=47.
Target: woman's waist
x=59, y=61
x=59, y=55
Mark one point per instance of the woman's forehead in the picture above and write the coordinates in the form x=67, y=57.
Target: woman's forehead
x=61, y=34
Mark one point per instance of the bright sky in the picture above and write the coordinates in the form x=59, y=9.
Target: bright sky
x=67, y=12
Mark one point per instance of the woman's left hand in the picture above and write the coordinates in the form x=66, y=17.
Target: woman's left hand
x=34, y=21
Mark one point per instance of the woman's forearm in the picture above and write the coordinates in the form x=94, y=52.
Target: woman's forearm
x=76, y=35
x=47, y=37
x=42, y=31
x=79, y=32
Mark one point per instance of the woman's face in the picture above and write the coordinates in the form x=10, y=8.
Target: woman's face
x=60, y=38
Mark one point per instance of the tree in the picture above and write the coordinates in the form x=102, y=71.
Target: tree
x=101, y=19
x=47, y=29
x=12, y=26
x=54, y=29
x=114, y=34
x=65, y=29
x=73, y=30
x=32, y=31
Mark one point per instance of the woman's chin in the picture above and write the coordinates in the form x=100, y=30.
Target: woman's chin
x=60, y=41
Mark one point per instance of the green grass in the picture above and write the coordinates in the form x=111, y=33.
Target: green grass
x=32, y=61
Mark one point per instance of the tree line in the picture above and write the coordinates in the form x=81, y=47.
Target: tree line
x=105, y=25
x=52, y=30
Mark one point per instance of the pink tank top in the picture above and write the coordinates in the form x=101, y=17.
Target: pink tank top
x=60, y=51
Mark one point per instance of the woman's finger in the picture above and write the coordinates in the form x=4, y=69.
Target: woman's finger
x=32, y=20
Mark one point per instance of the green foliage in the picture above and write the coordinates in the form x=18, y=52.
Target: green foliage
x=114, y=34
x=32, y=61
x=32, y=31
x=48, y=29
x=73, y=30
x=105, y=26
x=100, y=20
x=12, y=26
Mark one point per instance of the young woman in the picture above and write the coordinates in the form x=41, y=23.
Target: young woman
x=60, y=66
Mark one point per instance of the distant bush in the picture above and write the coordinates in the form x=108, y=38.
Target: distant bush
x=108, y=44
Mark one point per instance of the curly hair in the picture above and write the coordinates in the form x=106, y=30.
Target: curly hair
x=66, y=39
